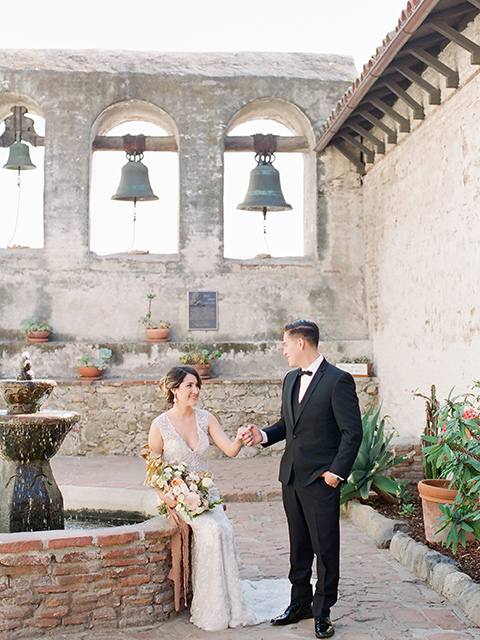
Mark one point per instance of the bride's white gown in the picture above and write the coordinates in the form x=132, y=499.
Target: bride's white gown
x=218, y=600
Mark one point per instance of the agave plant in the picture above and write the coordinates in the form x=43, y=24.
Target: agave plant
x=373, y=460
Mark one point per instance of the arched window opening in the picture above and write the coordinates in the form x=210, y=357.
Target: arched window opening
x=112, y=226
x=244, y=235
x=22, y=190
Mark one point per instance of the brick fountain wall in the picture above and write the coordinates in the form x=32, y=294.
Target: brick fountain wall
x=81, y=580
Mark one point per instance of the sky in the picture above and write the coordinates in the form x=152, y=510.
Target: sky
x=348, y=27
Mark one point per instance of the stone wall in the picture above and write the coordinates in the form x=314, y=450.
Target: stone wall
x=420, y=207
x=116, y=415
x=97, y=580
x=91, y=298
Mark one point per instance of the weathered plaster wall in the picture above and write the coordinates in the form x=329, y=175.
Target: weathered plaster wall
x=421, y=204
x=99, y=299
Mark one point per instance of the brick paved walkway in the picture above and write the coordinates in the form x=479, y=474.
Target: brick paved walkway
x=379, y=598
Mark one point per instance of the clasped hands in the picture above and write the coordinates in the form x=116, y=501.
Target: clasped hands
x=251, y=435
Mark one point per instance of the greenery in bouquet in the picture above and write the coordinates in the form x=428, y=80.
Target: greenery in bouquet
x=455, y=453
x=190, y=490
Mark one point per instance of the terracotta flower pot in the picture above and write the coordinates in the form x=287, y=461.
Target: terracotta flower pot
x=157, y=335
x=89, y=373
x=433, y=493
x=203, y=370
x=38, y=336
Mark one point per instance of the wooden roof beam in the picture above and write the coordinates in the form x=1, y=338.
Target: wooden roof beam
x=152, y=143
x=433, y=92
x=458, y=38
x=450, y=74
x=380, y=144
x=368, y=153
x=476, y=3
x=403, y=122
x=285, y=144
x=391, y=133
x=359, y=166
x=417, y=108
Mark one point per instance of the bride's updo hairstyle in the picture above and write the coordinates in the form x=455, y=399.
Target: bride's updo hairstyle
x=174, y=379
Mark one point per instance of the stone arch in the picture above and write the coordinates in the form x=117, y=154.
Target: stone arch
x=292, y=117
x=136, y=110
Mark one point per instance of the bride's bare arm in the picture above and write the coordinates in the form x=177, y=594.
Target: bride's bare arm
x=155, y=442
x=223, y=442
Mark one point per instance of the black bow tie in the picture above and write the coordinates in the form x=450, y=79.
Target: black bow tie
x=303, y=372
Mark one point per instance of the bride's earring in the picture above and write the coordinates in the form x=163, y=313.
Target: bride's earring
x=174, y=397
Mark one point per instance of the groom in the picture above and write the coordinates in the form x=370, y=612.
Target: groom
x=320, y=421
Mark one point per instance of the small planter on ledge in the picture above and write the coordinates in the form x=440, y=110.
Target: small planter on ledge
x=89, y=373
x=199, y=359
x=154, y=332
x=359, y=367
x=89, y=370
x=36, y=330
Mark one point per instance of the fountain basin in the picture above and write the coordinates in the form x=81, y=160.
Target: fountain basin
x=25, y=396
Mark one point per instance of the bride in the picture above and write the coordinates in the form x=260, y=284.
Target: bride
x=181, y=434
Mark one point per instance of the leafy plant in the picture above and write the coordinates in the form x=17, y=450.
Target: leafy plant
x=100, y=362
x=455, y=453
x=430, y=470
x=146, y=320
x=373, y=460
x=357, y=359
x=33, y=324
x=197, y=355
x=405, y=499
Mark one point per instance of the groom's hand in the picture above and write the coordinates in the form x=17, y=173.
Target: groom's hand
x=252, y=435
x=330, y=478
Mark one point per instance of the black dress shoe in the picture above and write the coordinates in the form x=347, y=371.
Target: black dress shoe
x=293, y=613
x=324, y=627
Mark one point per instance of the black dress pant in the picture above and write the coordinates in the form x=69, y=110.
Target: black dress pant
x=313, y=515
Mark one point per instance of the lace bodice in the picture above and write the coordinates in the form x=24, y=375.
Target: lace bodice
x=175, y=449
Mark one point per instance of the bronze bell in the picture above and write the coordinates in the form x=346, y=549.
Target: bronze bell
x=19, y=157
x=264, y=191
x=134, y=183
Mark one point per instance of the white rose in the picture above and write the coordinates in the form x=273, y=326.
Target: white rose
x=192, y=501
x=207, y=483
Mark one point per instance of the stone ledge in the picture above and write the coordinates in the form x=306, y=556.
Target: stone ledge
x=438, y=571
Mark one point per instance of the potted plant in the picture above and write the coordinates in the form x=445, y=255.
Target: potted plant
x=92, y=369
x=360, y=366
x=154, y=332
x=455, y=453
x=198, y=358
x=36, y=330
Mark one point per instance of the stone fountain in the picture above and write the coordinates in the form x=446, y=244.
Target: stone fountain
x=30, y=499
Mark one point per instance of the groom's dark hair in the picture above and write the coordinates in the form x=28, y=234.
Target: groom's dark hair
x=306, y=329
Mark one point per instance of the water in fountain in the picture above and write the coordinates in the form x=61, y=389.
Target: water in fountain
x=30, y=499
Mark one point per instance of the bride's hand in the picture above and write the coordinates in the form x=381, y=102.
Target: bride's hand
x=241, y=433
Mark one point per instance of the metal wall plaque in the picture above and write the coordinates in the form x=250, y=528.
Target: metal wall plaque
x=202, y=310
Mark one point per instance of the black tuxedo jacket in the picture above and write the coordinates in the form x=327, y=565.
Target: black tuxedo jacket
x=327, y=432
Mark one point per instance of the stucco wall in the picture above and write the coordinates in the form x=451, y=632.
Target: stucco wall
x=422, y=258
x=99, y=299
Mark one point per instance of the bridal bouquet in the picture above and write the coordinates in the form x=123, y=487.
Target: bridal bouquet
x=191, y=490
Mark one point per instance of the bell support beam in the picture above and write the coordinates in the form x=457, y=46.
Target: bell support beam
x=417, y=108
x=433, y=92
x=152, y=143
x=285, y=144
x=458, y=38
x=359, y=166
x=391, y=133
x=369, y=154
x=404, y=123
x=379, y=144
x=18, y=122
x=450, y=74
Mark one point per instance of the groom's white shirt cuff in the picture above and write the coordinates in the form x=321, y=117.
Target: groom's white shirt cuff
x=264, y=437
